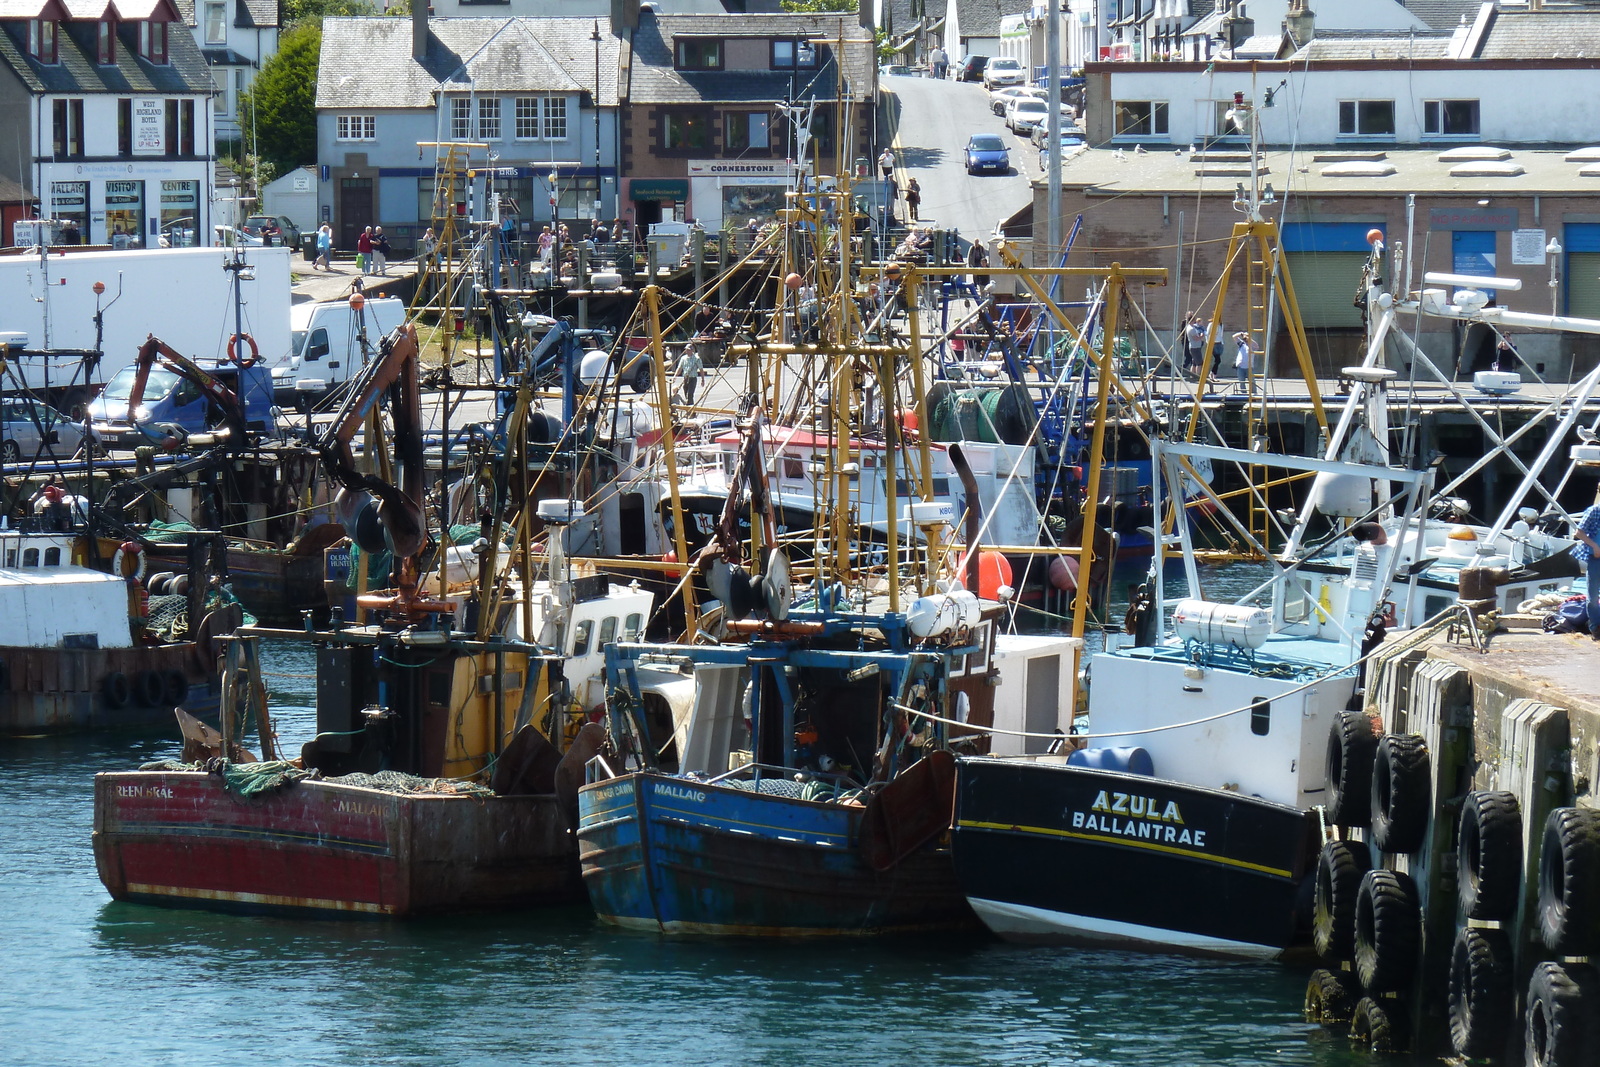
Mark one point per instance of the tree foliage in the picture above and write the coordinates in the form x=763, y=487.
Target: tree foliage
x=296, y=12
x=825, y=7
x=279, y=112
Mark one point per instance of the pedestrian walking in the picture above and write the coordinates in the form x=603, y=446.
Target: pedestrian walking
x=380, y=252
x=939, y=62
x=913, y=199
x=689, y=368
x=978, y=256
x=886, y=164
x=324, y=260
x=364, y=251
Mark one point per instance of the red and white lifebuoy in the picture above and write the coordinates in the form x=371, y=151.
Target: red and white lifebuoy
x=119, y=562
x=233, y=349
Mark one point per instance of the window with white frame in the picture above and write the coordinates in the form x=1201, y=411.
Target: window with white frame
x=527, y=118
x=1141, y=118
x=358, y=128
x=1366, y=118
x=488, y=119
x=219, y=82
x=461, y=119
x=1450, y=118
x=42, y=40
x=153, y=41
x=216, y=22
x=555, y=118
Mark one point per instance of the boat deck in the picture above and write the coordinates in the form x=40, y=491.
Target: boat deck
x=1280, y=650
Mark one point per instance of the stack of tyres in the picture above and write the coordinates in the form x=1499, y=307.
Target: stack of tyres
x=1489, y=880
x=1563, y=1005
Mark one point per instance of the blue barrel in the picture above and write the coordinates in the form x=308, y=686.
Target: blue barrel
x=1129, y=760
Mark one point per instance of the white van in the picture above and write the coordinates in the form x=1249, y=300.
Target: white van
x=326, y=342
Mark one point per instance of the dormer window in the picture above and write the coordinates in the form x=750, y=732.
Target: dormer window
x=700, y=53
x=42, y=40
x=789, y=55
x=153, y=41
x=107, y=38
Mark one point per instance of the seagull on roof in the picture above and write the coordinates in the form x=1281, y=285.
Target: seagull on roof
x=1138, y=149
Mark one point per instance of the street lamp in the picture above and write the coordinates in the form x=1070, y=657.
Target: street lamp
x=1554, y=250
x=596, y=38
x=555, y=241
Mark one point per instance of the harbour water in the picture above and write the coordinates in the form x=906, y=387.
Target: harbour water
x=86, y=981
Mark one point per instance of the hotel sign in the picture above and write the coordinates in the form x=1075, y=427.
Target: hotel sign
x=149, y=127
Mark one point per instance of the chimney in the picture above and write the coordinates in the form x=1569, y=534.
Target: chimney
x=624, y=16
x=419, y=29
x=1237, y=27
x=1300, y=23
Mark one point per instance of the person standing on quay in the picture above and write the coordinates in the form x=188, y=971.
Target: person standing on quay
x=689, y=367
x=1194, y=340
x=324, y=258
x=1244, y=354
x=886, y=164
x=1587, y=552
x=364, y=251
x=380, y=252
x=913, y=199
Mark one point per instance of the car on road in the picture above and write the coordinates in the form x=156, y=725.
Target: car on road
x=1041, y=131
x=987, y=152
x=1025, y=112
x=1002, y=70
x=971, y=69
x=28, y=426
x=228, y=237
x=273, y=230
x=894, y=70
x=999, y=98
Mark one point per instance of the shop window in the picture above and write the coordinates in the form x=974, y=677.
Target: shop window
x=1450, y=118
x=357, y=128
x=180, y=212
x=1141, y=118
x=153, y=41
x=489, y=120
x=1366, y=118
x=42, y=40
x=746, y=131
x=685, y=131
x=125, y=213
x=68, y=128
x=699, y=53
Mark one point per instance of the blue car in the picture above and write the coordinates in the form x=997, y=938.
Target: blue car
x=987, y=152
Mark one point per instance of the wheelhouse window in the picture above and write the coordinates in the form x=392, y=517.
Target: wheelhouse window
x=42, y=40
x=685, y=131
x=1366, y=118
x=746, y=131
x=792, y=55
x=699, y=53
x=1141, y=118
x=1450, y=118
x=153, y=41
x=106, y=38
x=357, y=128
x=489, y=119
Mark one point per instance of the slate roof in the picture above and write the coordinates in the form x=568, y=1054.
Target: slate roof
x=654, y=81
x=1373, y=44
x=77, y=72
x=1259, y=46
x=981, y=18
x=1443, y=15
x=1542, y=35
x=898, y=17
x=366, y=62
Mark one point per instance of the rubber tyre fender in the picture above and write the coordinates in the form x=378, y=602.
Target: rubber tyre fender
x=1333, y=907
x=174, y=686
x=1569, y=881
x=1402, y=793
x=1379, y=1025
x=1489, y=854
x=1351, y=748
x=1388, y=931
x=1480, y=994
x=1327, y=1000
x=147, y=688
x=5, y=676
x=1562, y=1013
x=115, y=689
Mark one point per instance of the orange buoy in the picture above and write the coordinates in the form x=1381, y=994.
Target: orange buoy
x=794, y=281
x=1374, y=236
x=1063, y=573
x=994, y=572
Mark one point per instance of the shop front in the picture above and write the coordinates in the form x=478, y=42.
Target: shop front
x=180, y=213
x=655, y=200
x=730, y=192
x=125, y=213
x=69, y=204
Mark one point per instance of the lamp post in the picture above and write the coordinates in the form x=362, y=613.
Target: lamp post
x=555, y=241
x=1554, y=250
x=597, y=181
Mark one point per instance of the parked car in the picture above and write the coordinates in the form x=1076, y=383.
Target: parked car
x=228, y=237
x=987, y=152
x=1002, y=70
x=179, y=233
x=999, y=98
x=273, y=230
x=894, y=70
x=1071, y=144
x=1041, y=131
x=1023, y=113
x=27, y=426
x=971, y=69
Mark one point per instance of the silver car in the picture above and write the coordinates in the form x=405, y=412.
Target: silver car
x=29, y=428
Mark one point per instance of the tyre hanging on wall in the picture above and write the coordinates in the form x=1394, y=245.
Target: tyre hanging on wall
x=1480, y=992
x=1379, y=1025
x=1562, y=1028
x=1569, y=881
x=1388, y=931
x=1340, y=868
x=1402, y=793
x=115, y=689
x=1327, y=1000
x=1351, y=748
x=1489, y=854
x=147, y=688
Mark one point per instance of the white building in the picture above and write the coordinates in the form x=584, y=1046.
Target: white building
x=236, y=37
